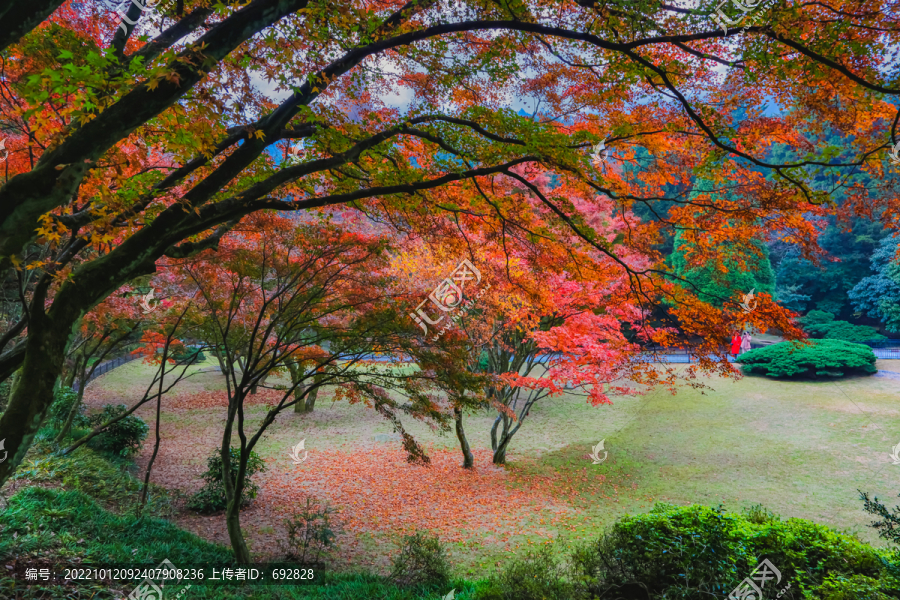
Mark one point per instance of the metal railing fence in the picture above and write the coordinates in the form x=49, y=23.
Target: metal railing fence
x=106, y=367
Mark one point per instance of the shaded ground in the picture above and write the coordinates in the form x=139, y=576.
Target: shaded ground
x=802, y=449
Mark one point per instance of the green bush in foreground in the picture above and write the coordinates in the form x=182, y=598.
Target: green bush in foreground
x=311, y=533
x=671, y=553
x=63, y=400
x=123, y=437
x=211, y=497
x=697, y=553
x=818, y=358
x=538, y=576
x=422, y=562
x=70, y=528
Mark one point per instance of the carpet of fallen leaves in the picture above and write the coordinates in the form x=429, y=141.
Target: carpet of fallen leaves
x=378, y=496
x=216, y=399
x=376, y=493
x=377, y=490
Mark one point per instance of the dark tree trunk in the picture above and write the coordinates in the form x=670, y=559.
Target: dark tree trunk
x=500, y=443
x=234, y=489
x=233, y=523
x=70, y=378
x=146, y=487
x=295, y=372
x=314, y=392
x=76, y=405
x=500, y=451
x=468, y=459
x=32, y=394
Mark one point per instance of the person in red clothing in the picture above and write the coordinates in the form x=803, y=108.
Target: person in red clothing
x=736, y=343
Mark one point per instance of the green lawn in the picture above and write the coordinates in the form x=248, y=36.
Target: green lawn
x=801, y=449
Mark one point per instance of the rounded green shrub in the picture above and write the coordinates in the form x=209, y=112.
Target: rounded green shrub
x=422, y=562
x=815, y=317
x=699, y=552
x=211, y=497
x=536, y=577
x=817, y=358
x=123, y=437
x=848, y=332
x=63, y=399
x=857, y=587
x=188, y=355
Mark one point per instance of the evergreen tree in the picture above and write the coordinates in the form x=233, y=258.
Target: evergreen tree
x=879, y=294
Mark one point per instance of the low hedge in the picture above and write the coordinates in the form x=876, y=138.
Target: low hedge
x=848, y=332
x=817, y=358
x=699, y=553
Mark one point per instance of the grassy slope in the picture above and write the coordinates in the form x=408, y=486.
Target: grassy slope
x=73, y=529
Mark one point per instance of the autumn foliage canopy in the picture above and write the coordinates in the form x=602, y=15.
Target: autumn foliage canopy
x=458, y=130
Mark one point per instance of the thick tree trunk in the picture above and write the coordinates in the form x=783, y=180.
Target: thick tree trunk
x=300, y=406
x=70, y=379
x=32, y=394
x=468, y=459
x=314, y=393
x=494, y=432
x=501, y=442
x=500, y=451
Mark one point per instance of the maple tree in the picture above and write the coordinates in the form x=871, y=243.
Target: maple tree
x=123, y=150
x=159, y=343
x=534, y=319
x=103, y=331
x=309, y=298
